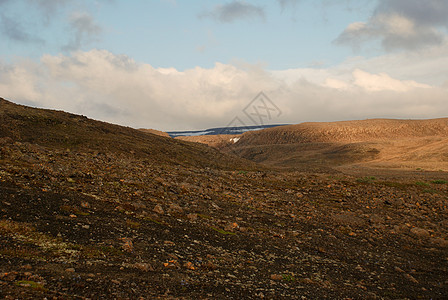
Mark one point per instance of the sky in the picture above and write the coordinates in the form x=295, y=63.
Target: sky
x=190, y=65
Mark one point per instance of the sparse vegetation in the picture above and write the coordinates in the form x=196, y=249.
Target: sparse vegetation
x=222, y=231
x=133, y=224
x=31, y=284
x=288, y=277
x=366, y=179
x=439, y=181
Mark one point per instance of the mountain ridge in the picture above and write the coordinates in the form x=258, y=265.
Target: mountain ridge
x=52, y=128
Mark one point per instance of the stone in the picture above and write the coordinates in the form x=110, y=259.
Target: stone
x=145, y=267
x=210, y=265
x=127, y=246
x=189, y=265
x=276, y=277
x=420, y=232
x=158, y=209
x=231, y=226
x=440, y=242
x=410, y=278
x=192, y=217
x=375, y=219
x=176, y=208
x=308, y=281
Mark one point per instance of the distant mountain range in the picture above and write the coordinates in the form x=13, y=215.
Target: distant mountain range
x=221, y=130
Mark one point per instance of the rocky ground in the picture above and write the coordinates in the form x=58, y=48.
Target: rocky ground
x=78, y=224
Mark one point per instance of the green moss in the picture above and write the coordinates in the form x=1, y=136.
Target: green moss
x=288, y=277
x=25, y=233
x=202, y=216
x=222, y=231
x=73, y=210
x=395, y=184
x=100, y=251
x=23, y=252
x=132, y=224
x=31, y=284
x=155, y=221
x=439, y=181
x=366, y=179
x=420, y=183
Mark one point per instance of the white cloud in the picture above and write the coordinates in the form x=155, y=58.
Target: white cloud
x=117, y=89
x=336, y=84
x=383, y=82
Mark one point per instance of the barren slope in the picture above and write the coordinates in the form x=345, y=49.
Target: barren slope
x=156, y=132
x=376, y=143
x=57, y=129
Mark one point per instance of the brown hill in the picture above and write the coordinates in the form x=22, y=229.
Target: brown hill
x=347, y=131
x=375, y=143
x=57, y=129
x=156, y=132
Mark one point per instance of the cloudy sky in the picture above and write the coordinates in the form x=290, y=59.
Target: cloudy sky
x=178, y=64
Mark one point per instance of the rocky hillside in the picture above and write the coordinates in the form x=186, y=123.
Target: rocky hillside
x=61, y=130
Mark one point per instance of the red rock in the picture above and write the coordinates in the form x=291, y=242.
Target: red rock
x=145, y=267
x=189, y=265
x=276, y=277
x=192, y=217
x=127, y=246
x=158, y=209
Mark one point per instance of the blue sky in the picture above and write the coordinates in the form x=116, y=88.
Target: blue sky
x=171, y=64
x=186, y=34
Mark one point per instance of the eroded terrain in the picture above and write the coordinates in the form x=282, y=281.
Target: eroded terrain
x=92, y=225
